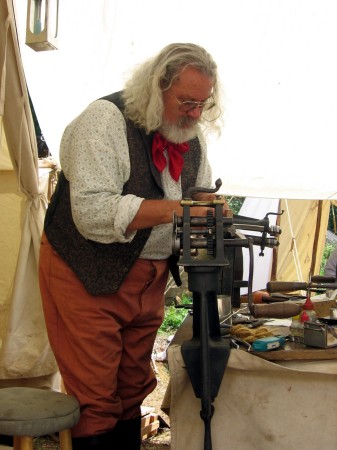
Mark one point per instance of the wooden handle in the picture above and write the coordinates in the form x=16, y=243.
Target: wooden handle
x=274, y=298
x=322, y=279
x=277, y=311
x=286, y=286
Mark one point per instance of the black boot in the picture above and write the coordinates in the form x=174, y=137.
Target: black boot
x=127, y=434
x=97, y=442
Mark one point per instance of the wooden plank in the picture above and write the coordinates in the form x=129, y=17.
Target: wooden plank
x=151, y=429
x=294, y=351
x=149, y=425
x=149, y=418
x=144, y=410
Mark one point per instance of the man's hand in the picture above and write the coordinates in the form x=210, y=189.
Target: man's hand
x=205, y=196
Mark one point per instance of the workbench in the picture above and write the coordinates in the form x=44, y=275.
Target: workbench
x=284, y=399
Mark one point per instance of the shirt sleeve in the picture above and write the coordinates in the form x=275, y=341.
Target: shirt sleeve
x=94, y=156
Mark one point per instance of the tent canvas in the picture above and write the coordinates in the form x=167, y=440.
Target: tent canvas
x=24, y=348
x=279, y=108
x=275, y=65
x=299, y=255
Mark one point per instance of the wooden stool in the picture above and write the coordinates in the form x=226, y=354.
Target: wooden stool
x=26, y=413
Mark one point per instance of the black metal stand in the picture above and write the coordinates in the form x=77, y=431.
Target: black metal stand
x=206, y=354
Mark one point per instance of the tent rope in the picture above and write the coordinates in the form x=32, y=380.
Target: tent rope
x=3, y=74
x=294, y=250
x=22, y=101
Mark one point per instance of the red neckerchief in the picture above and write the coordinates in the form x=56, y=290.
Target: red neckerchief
x=174, y=151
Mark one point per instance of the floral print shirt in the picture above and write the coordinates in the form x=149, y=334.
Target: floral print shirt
x=95, y=159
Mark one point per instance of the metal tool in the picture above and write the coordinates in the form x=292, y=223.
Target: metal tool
x=204, y=246
x=317, y=283
x=278, y=297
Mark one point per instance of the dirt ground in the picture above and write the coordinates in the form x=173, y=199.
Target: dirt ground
x=162, y=440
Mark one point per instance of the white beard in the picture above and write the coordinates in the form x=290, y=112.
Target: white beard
x=174, y=133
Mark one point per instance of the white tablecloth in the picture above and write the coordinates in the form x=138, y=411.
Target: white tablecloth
x=261, y=405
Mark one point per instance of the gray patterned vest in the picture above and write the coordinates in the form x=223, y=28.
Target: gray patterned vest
x=103, y=267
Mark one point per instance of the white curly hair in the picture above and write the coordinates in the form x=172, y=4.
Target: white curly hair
x=142, y=93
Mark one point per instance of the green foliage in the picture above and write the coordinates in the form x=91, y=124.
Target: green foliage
x=175, y=316
x=235, y=203
x=332, y=218
x=328, y=249
x=173, y=319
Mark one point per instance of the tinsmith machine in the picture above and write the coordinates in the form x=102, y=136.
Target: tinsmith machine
x=208, y=247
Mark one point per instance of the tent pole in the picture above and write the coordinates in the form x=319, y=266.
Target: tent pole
x=317, y=233
x=273, y=274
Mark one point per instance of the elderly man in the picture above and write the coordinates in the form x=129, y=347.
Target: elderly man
x=127, y=161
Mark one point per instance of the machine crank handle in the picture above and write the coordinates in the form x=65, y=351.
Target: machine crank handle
x=194, y=190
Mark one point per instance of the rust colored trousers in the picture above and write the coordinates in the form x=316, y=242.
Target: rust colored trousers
x=103, y=344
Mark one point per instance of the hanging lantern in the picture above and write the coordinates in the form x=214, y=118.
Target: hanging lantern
x=42, y=24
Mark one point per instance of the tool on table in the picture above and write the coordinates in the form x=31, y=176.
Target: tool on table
x=278, y=297
x=316, y=283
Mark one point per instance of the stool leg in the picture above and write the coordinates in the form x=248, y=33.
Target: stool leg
x=25, y=443
x=65, y=440
x=16, y=443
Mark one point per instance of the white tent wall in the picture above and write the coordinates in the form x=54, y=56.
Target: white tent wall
x=257, y=208
x=25, y=355
x=275, y=63
x=278, y=72
x=10, y=213
x=304, y=224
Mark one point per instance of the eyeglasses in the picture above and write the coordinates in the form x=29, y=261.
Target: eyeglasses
x=190, y=105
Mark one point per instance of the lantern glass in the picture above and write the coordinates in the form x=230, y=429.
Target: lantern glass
x=42, y=24
x=37, y=16
x=53, y=14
